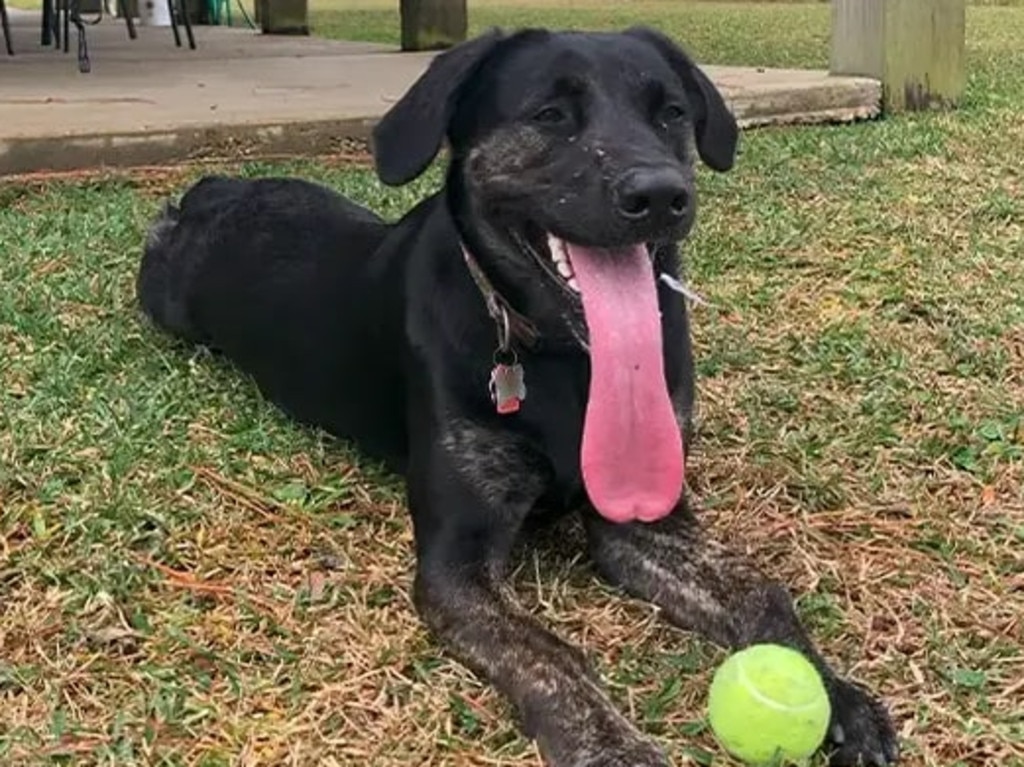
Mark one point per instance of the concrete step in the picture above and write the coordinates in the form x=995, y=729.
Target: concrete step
x=245, y=94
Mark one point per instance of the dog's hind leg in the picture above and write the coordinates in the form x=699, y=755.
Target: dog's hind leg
x=469, y=496
x=702, y=586
x=177, y=243
x=159, y=284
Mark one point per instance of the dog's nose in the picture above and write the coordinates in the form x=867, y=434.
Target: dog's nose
x=654, y=196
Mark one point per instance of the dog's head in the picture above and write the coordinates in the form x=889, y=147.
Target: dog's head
x=571, y=155
x=586, y=137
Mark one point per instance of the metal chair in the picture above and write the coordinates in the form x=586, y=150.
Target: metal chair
x=65, y=13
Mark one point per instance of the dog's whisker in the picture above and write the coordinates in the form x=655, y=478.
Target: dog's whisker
x=684, y=290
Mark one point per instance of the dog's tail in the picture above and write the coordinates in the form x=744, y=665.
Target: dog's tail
x=159, y=285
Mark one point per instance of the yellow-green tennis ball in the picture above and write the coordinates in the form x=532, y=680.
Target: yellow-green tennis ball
x=768, y=705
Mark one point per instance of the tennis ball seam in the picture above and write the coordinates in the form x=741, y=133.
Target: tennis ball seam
x=770, y=702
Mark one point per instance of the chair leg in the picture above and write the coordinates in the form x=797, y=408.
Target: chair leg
x=6, y=24
x=74, y=11
x=122, y=7
x=46, y=33
x=188, y=24
x=66, y=7
x=174, y=23
x=53, y=23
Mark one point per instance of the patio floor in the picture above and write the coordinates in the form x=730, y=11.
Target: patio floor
x=243, y=93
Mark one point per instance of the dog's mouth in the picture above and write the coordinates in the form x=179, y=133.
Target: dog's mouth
x=632, y=451
x=553, y=255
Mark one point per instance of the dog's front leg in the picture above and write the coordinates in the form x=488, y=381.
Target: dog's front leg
x=702, y=586
x=469, y=496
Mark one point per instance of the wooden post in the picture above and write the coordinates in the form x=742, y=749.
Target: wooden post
x=432, y=24
x=914, y=47
x=283, y=17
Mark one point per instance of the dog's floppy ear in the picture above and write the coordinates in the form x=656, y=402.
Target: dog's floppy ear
x=716, y=130
x=409, y=135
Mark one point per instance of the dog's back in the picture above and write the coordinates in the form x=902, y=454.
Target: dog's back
x=284, y=277
x=210, y=236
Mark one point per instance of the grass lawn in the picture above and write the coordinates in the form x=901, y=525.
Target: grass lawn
x=187, y=578
x=734, y=31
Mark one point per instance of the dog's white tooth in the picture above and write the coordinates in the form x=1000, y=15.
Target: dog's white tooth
x=556, y=248
x=564, y=269
x=573, y=285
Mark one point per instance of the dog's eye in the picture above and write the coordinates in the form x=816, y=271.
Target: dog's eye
x=672, y=113
x=551, y=115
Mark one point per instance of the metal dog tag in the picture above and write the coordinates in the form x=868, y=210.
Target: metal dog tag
x=508, y=389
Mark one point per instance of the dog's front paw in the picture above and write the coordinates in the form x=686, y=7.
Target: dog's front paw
x=861, y=731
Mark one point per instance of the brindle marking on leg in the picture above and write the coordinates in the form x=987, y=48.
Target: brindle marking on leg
x=472, y=610
x=555, y=692
x=504, y=469
x=699, y=583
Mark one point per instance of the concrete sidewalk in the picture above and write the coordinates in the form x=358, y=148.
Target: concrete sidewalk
x=242, y=93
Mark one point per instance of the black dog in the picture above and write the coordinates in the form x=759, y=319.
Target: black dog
x=509, y=347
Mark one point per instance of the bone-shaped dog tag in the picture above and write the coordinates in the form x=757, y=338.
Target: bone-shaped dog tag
x=508, y=389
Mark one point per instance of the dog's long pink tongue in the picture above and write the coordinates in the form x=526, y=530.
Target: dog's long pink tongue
x=632, y=454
